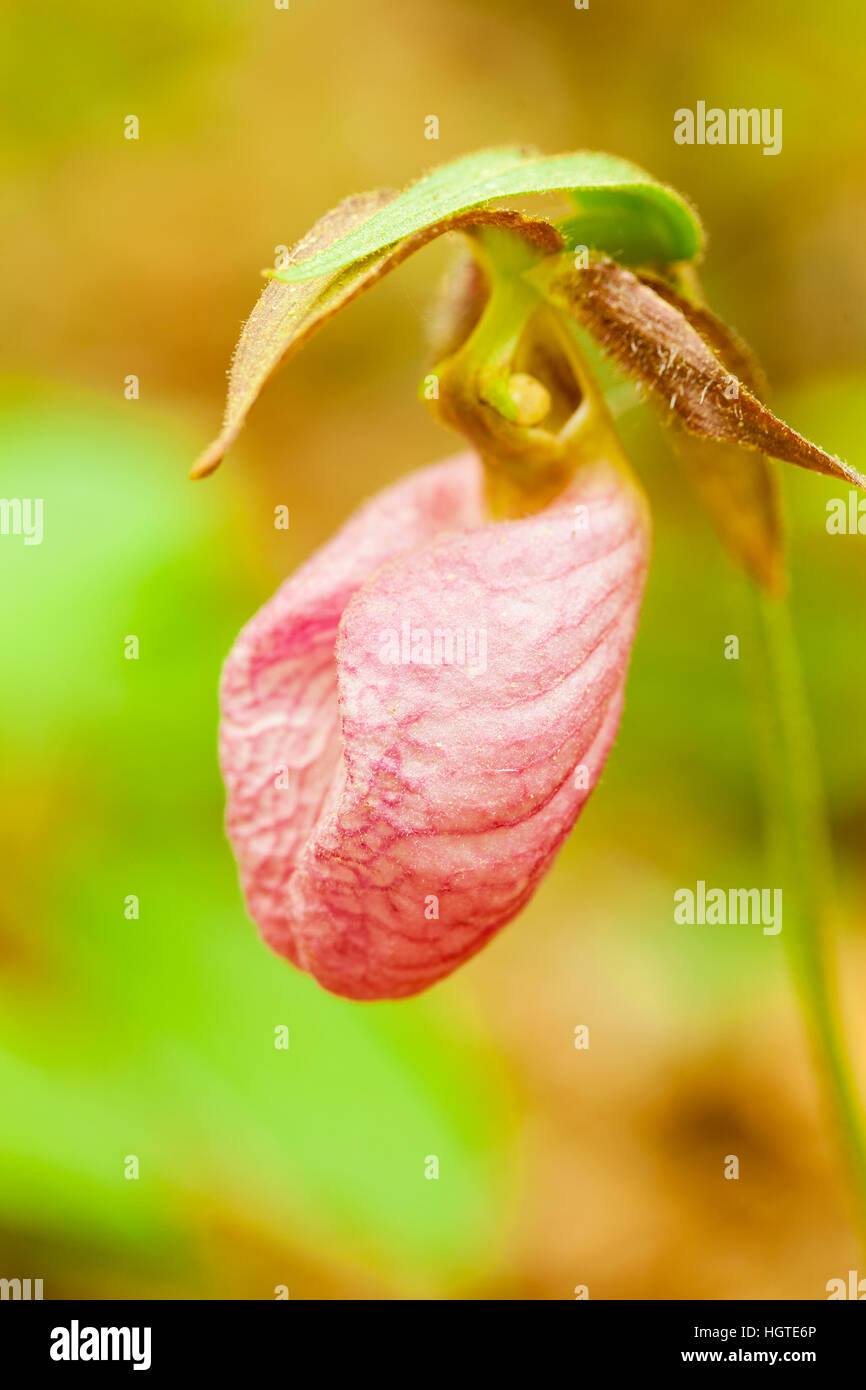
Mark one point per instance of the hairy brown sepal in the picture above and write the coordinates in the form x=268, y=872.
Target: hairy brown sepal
x=653, y=341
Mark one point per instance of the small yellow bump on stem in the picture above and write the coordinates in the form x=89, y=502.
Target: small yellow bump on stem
x=531, y=398
x=517, y=397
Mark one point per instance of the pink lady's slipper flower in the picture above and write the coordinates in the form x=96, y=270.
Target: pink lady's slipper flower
x=412, y=724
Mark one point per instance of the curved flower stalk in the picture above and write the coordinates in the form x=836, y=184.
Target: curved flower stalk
x=413, y=723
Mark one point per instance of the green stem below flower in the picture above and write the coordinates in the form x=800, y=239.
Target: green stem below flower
x=800, y=852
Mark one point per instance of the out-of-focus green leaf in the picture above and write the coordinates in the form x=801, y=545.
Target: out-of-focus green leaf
x=154, y=1035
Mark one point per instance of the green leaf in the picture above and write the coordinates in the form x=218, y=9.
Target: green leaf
x=636, y=225
x=606, y=187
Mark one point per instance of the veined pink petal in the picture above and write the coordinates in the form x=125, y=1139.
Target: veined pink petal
x=280, y=733
x=413, y=723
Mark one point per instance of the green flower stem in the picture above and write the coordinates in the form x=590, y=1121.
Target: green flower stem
x=800, y=851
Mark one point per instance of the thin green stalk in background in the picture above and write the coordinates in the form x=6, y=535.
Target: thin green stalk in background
x=800, y=852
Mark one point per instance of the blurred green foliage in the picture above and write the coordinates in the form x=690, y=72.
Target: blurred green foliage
x=156, y=1036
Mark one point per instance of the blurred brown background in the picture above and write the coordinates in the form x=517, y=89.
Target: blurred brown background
x=562, y=1167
